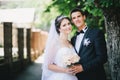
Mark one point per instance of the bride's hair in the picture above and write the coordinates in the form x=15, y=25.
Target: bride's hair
x=58, y=21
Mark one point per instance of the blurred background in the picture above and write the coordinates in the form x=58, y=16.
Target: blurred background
x=24, y=27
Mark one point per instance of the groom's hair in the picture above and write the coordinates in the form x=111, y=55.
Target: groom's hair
x=76, y=10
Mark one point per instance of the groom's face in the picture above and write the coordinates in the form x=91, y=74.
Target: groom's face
x=78, y=19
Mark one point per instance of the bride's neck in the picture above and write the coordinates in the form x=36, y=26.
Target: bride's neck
x=64, y=39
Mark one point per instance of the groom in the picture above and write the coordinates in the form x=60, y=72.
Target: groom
x=91, y=47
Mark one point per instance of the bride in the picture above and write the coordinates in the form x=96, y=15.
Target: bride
x=57, y=49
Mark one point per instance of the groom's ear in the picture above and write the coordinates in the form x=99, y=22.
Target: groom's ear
x=72, y=22
x=84, y=17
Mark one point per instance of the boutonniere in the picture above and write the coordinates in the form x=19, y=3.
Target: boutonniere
x=86, y=42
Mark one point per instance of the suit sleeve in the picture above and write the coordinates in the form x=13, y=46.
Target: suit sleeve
x=101, y=53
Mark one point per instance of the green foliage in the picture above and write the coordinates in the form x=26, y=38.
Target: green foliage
x=93, y=9
x=49, y=9
x=109, y=3
x=62, y=6
x=94, y=14
x=46, y=17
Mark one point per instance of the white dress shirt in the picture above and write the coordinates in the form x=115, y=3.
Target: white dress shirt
x=79, y=39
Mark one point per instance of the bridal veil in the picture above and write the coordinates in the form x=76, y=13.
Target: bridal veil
x=50, y=51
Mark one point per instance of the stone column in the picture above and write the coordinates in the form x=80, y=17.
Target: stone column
x=28, y=44
x=8, y=46
x=21, y=45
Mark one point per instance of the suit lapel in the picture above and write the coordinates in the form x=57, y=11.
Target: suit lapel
x=81, y=46
x=74, y=41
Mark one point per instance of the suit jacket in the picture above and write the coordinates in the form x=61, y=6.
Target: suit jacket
x=93, y=55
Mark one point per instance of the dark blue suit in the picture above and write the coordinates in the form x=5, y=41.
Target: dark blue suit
x=93, y=54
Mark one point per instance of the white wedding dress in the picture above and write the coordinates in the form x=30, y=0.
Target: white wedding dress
x=59, y=61
x=54, y=53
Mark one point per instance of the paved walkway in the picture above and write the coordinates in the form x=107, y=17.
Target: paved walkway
x=33, y=72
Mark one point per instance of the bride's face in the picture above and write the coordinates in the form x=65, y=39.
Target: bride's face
x=65, y=26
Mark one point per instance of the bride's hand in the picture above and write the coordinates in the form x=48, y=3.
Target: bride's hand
x=76, y=69
x=68, y=70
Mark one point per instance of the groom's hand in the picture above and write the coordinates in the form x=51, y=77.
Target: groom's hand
x=76, y=69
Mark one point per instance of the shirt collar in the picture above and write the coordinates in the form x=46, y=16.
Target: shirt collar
x=85, y=29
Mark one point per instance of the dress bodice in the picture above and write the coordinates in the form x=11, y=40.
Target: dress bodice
x=61, y=54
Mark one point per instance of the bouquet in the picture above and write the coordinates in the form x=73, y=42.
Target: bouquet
x=71, y=59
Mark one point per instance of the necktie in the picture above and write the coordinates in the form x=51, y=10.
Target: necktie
x=77, y=33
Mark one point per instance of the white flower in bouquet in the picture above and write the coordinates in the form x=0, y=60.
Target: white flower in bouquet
x=71, y=59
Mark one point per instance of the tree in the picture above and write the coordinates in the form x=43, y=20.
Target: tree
x=111, y=9
x=100, y=10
